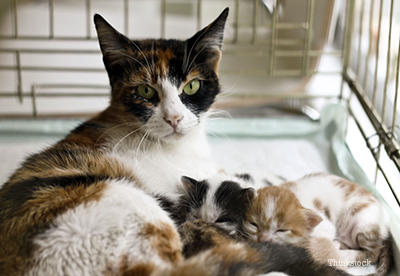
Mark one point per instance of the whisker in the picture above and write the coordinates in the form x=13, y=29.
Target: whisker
x=190, y=52
x=190, y=65
x=114, y=127
x=143, y=66
x=165, y=157
x=214, y=114
x=152, y=57
x=140, y=50
x=123, y=138
x=141, y=141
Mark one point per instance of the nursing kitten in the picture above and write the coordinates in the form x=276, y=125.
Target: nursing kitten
x=82, y=206
x=221, y=200
x=337, y=212
x=210, y=213
x=214, y=244
x=210, y=251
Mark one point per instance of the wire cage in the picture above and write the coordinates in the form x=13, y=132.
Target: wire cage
x=285, y=53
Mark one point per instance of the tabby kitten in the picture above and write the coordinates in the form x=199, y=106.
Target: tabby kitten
x=345, y=218
x=82, y=206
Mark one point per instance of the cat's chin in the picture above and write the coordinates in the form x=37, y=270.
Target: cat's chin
x=172, y=137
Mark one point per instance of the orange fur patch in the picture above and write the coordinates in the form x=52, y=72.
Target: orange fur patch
x=352, y=189
x=288, y=210
x=165, y=240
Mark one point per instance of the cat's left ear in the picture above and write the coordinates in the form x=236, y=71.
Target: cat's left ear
x=208, y=41
x=313, y=218
x=113, y=44
x=188, y=182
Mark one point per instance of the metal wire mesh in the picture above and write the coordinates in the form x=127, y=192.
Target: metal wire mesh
x=263, y=41
x=272, y=50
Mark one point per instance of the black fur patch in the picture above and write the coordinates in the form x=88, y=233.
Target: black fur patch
x=177, y=212
x=197, y=194
x=140, y=110
x=267, y=182
x=18, y=193
x=233, y=200
x=245, y=176
x=87, y=126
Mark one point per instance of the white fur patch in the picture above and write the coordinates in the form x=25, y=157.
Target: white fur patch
x=87, y=239
x=170, y=106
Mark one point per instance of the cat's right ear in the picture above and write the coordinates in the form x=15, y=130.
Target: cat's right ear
x=113, y=44
x=208, y=41
x=188, y=182
x=313, y=218
x=249, y=194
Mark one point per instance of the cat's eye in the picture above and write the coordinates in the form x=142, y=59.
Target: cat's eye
x=282, y=230
x=254, y=224
x=192, y=87
x=225, y=220
x=146, y=92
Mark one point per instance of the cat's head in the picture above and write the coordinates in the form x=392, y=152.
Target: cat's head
x=165, y=86
x=276, y=215
x=220, y=200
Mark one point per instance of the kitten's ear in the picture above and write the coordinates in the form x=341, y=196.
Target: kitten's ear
x=113, y=44
x=208, y=41
x=249, y=194
x=188, y=182
x=313, y=218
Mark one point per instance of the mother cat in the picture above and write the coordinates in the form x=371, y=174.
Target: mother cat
x=81, y=207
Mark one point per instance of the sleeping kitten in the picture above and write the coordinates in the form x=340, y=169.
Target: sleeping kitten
x=210, y=251
x=210, y=213
x=202, y=238
x=337, y=212
x=221, y=200
x=82, y=206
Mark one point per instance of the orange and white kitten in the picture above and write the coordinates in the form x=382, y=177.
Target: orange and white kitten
x=333, y=217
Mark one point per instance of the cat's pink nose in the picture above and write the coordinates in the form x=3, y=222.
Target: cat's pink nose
x=263, y=237
x=173, y=120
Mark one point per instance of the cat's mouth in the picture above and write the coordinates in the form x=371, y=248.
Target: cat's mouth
x=174, y=135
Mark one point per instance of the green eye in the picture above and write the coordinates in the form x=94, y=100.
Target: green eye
x=146, y=92
x=192, y=87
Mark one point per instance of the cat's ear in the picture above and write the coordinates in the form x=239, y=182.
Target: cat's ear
x=208, y=41
x=188, y=182
x=249, y=194
x=313, y=218
x=113, y=44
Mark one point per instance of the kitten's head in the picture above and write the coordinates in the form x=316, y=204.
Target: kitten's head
x=165, y=86
x=220, y=200
x=276, y=214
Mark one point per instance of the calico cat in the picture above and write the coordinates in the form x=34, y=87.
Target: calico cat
x=332, y=217
x=84, y=205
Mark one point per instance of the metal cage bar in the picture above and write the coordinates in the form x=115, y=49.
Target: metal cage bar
x=368, y=101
